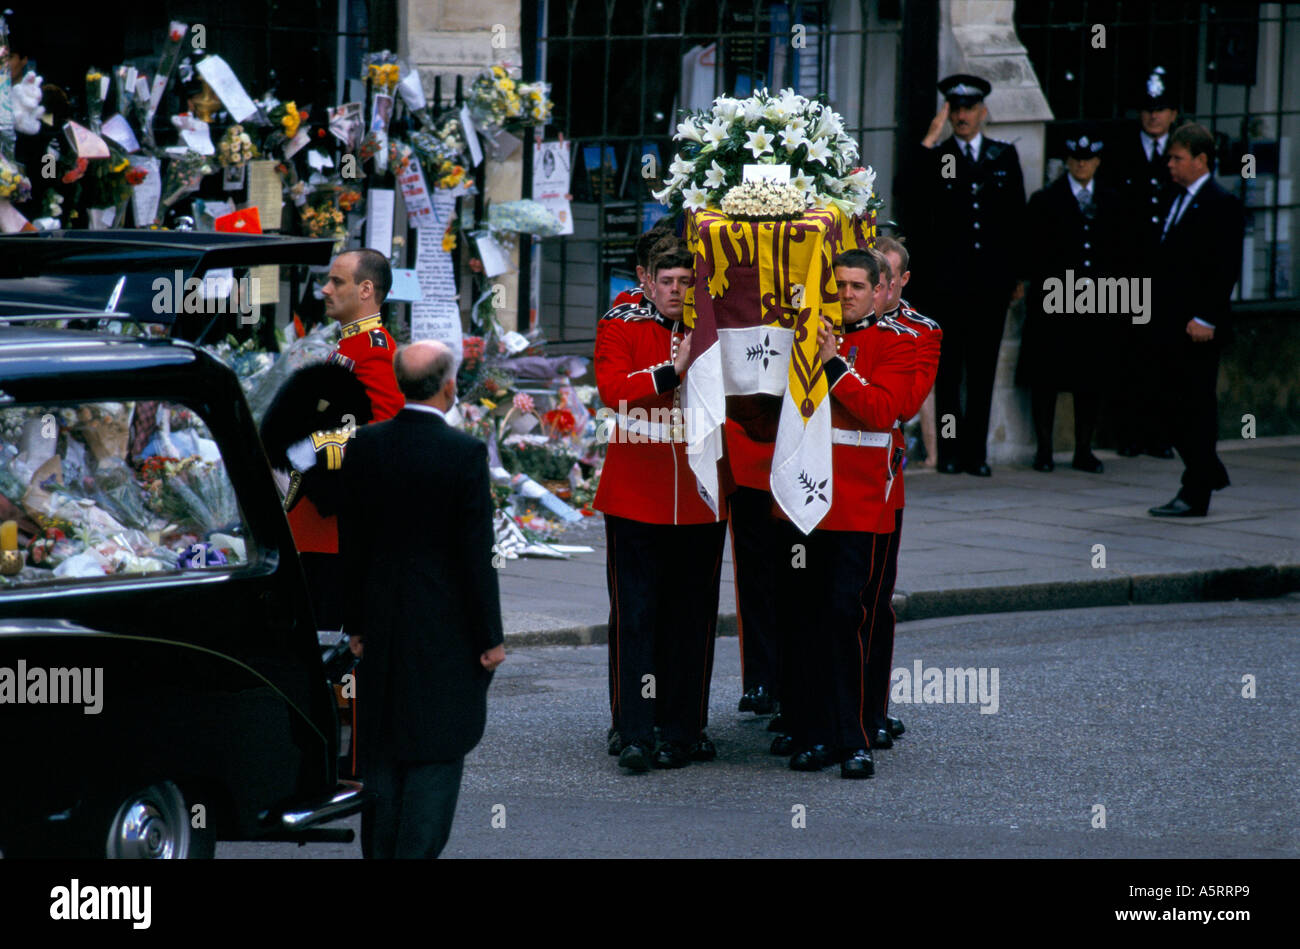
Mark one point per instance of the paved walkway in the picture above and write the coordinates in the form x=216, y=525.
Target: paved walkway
x=1021, y=540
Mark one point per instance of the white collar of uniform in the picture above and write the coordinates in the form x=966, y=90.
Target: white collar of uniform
x=1147, y=140
x=1076, y=187
x=973, y=143
x=1196, y=185
x=426, y=408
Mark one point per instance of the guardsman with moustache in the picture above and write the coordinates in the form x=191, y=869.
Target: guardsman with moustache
x=928, y=341
x=965, y=220
x=1137, y=167
x=870, y=371
x=664, y=543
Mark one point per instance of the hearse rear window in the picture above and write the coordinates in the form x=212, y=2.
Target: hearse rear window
x=97, y=490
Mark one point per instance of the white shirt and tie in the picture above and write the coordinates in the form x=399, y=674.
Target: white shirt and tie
x=1176, y=212
x=1082, y=192
x=971, y=149
x=1157, y=143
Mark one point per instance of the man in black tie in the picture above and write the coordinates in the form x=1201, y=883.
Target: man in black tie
x=1197, y=264
x=967, y=201
x=415, y=534
x=1137, y=167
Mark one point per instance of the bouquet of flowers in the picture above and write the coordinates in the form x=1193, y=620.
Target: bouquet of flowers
x=383, y=73
x=525, y=215
x=95, y=98
x=236, y=148
x=786, y=129
x=192, y=493
x=184, y=174
x=286, y=119
x=322, y=218
x=499, y=101
x=14, y=185
x=442, y=153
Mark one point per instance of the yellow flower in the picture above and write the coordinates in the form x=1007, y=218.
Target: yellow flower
x=498, y=71
x=120, y=166
x=488, y=403
x=449, y=240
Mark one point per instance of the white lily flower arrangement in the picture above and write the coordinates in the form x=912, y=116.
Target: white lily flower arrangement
x=713, y=147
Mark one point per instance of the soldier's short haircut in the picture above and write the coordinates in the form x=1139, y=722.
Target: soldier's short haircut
x=645, y=243
x=1197, y=139
x=670, y=253
x=872, y=261
x=373, y=266
x=893, y=245
x=423, y=386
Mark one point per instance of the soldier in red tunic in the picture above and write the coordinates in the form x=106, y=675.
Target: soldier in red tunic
x=884, y=728
x=358, y=282
x=664, y=554
x=870, y=372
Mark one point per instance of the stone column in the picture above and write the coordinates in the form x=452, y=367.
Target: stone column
x=979, y=37
x=463, y=37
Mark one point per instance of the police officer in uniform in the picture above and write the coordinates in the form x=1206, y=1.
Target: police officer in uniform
x=664, y=542
x=1137, y=167
x=1075, y=231
x=968, y=199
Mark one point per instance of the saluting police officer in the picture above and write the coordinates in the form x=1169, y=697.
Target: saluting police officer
x=967, y=206
x=1074, y=232
x=1137, y=167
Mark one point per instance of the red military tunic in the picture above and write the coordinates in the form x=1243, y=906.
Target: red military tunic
x=647, y=476
x=367, y=350
x=928, y=339
x=870, y=382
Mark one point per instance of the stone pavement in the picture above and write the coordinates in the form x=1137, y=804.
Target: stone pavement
x=1021, y=540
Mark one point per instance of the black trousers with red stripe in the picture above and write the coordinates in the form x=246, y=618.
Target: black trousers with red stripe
x=756, y=551
x=880, y=658
x=663, y=617
x=831, y=604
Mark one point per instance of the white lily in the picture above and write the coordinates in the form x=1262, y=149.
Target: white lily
x=864, y=179
x=715, y=133
x=680, y=167
x=753, y=108
x=818, y=150
x=715, y=177
x=793, y=136
x=760, y=142
x=689, y=131
x=726, y=108
x=694, y=198
x=803, y=182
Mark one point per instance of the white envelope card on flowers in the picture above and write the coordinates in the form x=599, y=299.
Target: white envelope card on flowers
x=226, y=85
x=119, y=130
x=778, y=173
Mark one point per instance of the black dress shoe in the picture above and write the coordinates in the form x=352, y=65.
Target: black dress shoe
x=763, y=701
x=813, y=759
x=613, y=742
x=980, y=471
x=858, y=764
x=635, y=757
x=949, y=467
x=1043, y=463
x=1164, y=452
x=880, y=738
x=746, y=703
x=1089, y=463
x=672, y=754
x=782, y=745
x=894, y=726
x=777, y=724
x=1128, y=451
x=702, y=749
x=1180, y=508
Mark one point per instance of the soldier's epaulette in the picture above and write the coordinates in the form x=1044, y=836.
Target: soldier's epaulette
x=378, y=339
x=338, y=359
x=916, y=317
x=630, y=311
x=885, y=323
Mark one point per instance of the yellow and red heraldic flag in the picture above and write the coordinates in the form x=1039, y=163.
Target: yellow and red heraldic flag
x=760, y=291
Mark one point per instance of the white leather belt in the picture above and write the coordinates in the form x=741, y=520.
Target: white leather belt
x=652, y=431
x=848, y=436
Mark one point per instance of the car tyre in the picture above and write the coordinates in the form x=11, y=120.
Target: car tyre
x=153, y=823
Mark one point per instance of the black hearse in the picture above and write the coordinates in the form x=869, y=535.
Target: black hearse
x=161, y=679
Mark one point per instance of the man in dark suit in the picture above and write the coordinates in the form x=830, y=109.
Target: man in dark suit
x=1197, y=265
x=1137, y=167
x=968, y=203
x=1075, y=232
x=424, y=605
